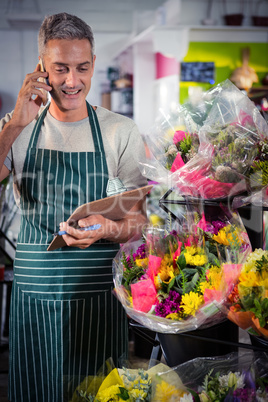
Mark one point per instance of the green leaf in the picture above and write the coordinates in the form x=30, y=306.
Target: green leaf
x=181, y=261
x=195, y=395
x=123, y=394
x=191, y=285
x=171, y=284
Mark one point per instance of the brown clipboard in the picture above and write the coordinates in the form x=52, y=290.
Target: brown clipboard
x=114, y=207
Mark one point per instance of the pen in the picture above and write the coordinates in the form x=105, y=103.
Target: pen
x=92, y=227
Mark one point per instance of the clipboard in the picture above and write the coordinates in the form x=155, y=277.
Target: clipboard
x=114, y=208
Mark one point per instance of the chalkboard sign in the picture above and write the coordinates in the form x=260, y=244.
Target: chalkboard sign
x=198, y=72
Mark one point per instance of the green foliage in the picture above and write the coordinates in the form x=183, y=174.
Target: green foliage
x=260, y=310
x=189, y=278
x=185, y=144
x=257, y=306
x=181, y=261
x=132, y=271
x=262, y=265
x=260, y=170
x=86, y=397
x=124, y=395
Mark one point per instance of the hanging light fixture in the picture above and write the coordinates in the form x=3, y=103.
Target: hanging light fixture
x=24, y=14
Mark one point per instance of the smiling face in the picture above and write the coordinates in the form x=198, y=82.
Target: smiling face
x=70, y=68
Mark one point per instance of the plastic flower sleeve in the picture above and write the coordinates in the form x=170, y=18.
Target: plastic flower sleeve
x=257, y=198
x=234, y=377
x=175, y=281
x=154, y=384
x=247, y=304
x=232, y=147
x=170, y=143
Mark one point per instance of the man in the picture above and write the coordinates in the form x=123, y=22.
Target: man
x=65, y=321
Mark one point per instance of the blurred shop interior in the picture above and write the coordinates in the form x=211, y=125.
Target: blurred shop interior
x=151, y=55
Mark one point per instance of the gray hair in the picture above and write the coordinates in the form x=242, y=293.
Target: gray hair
x=64, y=26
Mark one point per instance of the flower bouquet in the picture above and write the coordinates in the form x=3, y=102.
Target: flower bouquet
x=175, y=281
x=159, y=383
x=248, y=302
x=221, y=154
x=234, y=377
x=170, y=143
x=233, y=149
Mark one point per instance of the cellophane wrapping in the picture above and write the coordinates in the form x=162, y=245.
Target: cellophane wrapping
x=247, y=304
x=174, y=281
x=236, y=377
x=220, y=149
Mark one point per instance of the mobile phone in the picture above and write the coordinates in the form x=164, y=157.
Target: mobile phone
x=45, y=80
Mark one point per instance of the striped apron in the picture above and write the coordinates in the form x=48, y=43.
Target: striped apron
x=64, y=320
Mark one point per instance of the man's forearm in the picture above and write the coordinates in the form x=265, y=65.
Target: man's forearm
x=121, y=231
x=7, y=136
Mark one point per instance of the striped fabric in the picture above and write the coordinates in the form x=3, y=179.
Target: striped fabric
x=115, y=186
x=64, y=321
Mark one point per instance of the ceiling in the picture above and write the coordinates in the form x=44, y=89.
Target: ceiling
x=115, y=16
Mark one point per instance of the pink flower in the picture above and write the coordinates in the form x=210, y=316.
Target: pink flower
x=178, y=136
x=154, y=264
x=211, y=294
x=143, y=295
x=202, y=224
x=177, y=164
x=231, y=274
x=178, y=251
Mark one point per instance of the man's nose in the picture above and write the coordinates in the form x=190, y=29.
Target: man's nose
x=71, y=79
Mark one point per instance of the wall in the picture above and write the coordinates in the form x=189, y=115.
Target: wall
x=227, y=57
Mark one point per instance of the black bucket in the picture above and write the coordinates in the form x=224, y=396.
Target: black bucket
x=259, y=341
x=179, y=348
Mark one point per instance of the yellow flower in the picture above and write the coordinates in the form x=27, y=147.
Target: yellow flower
x=166, y=392
x=221, y=237
x=191, y=302
x=157, y=282
x=264, y=283
x=250, y=264
x=173, y=316
x=191, y=250
x=155, y=220
x=166, y=260
x=137, y=394
x=166, y=274
x=214, y=277
x=171, y=131
x=250, y=279
x=205, y=285
x=109, y=394
x=199, y=260
x=195, y=256
x=142, y=262
x=196, y=260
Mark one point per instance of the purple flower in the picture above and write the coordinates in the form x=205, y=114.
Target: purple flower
x=218, y=225
x=170, y=305
x=244, y=395
x=140, y=253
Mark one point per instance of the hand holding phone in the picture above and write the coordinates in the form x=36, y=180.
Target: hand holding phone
x=45, y=80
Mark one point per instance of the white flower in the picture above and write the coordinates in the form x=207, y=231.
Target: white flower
x=186, y=398
x=172, y=149
x=237, y=379
x=261, y=397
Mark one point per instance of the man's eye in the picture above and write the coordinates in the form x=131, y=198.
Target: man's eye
x=60, y=70
x=83, y=69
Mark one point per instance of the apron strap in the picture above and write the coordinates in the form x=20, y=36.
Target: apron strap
x=37, y=127
x=95, y=128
